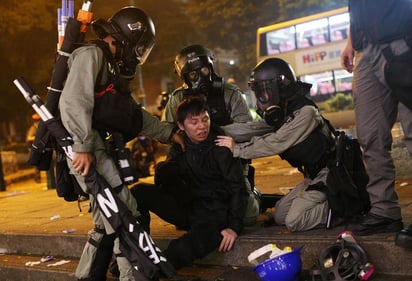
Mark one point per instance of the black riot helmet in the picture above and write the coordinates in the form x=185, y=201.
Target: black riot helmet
x=134, y=32
x=194, y=65
x=345, y=260
x=272, y=82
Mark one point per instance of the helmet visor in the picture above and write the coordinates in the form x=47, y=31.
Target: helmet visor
x=266, y=92
x=143, y=48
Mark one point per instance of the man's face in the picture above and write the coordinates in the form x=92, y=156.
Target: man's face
x=196, y=127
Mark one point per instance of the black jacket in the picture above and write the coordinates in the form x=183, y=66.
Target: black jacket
x=215, y=179
x=379, y=21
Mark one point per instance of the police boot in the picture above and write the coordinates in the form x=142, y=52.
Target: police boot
x=404, y=238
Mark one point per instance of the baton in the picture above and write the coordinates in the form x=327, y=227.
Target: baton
x=33, y=99
x=53, y=125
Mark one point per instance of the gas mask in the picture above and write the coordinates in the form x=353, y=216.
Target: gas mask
x=128, y=62
x=274, y=83
x=269, y=102
x=199, y=81
x=194, y=65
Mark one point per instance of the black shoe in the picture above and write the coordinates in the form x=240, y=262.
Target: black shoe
x=373, y=224
x=404, y=238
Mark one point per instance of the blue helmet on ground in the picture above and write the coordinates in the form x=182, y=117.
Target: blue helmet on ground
x=285, y=267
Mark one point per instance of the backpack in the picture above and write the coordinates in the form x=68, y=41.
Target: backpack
x=347, y=178
x=41, y=154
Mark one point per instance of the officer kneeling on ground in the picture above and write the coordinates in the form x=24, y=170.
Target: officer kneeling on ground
x=299, y=135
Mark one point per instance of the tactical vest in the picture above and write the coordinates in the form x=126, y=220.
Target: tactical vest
x=379, y=21
x=312, y=154
x=115, y=110
x=220, y=115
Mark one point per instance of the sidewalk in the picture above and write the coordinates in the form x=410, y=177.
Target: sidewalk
x=27, y=206
x=26, y=224
x=33, y=204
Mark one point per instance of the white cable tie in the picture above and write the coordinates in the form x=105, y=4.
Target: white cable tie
x=54, y=89
x=63, y=53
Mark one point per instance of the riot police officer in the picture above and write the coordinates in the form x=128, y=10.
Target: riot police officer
x=194, y=65
x=106, y=67
x=299, y=135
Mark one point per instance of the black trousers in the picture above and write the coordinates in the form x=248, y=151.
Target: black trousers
x=155, y=199
x=203, y=232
